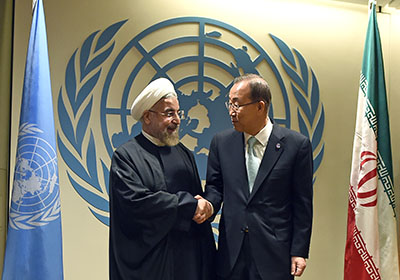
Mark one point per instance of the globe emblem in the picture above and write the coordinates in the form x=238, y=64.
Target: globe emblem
x=200, y=63
x=201, y=57
x=35, y=188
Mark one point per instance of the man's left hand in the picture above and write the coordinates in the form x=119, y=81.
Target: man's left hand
x=298, y=266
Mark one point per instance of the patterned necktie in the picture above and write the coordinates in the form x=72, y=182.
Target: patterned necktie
x=252, y=162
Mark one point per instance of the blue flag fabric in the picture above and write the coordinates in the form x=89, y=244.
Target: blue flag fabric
x=34, y=242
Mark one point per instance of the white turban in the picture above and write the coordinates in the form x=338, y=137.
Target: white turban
x=156, y=90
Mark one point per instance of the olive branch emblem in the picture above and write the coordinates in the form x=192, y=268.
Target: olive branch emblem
x=78, y=94
x=305, y=89
x=29, y=128
x=75, y=103
x=42, y=218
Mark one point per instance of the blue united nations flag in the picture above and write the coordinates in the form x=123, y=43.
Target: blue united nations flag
x=34, y=245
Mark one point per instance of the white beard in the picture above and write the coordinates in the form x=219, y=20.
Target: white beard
x=170, y=139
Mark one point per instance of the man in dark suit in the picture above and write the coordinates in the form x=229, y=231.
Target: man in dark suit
x=266, y=189
x=154, y=185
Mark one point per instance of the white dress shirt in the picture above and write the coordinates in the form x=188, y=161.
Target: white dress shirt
x=262, y=140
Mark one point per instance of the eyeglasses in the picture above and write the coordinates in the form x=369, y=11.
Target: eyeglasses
x=235, y=107
x=170, y=114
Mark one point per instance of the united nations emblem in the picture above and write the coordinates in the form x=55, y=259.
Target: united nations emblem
x=36, y=199
x=201, y=57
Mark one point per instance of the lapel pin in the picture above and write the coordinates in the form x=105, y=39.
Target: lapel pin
x=278, y=146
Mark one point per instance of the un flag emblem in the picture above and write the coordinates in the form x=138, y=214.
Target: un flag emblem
x=201, y=56
x=35, y=199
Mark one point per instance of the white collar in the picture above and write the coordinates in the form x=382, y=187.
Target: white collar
x=263, y=135
x=153, y=139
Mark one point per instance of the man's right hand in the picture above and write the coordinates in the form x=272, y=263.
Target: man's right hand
x=204, y=210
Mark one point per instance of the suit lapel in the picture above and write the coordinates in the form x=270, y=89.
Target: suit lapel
x=273, y=151
x=239, y=161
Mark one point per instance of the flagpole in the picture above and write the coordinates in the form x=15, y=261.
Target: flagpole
x=6, y=76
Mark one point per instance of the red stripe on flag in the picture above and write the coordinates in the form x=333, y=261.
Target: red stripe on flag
x=358, y=263
x=367, y=153
x=367, y=177
x=366, y=194
x=370, y=204
x=365, y=161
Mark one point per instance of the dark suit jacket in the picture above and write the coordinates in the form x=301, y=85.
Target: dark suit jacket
x=146, y=219
x=277, y=214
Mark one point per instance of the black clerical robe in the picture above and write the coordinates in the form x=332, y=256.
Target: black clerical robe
x=152, y=235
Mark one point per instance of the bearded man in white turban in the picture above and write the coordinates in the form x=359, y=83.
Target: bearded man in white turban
x=155, y=198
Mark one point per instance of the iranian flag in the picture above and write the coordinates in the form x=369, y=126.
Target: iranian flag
x=371, y=245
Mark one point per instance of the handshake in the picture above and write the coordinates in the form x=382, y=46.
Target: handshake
x=204, y=210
